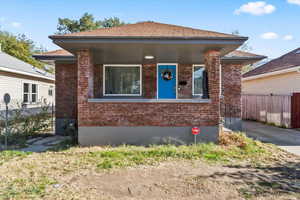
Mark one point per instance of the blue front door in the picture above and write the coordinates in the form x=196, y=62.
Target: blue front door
x=166, y=75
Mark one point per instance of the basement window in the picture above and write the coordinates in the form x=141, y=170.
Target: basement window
x=122, y=80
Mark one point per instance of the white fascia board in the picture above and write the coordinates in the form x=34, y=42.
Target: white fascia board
x=25, y=73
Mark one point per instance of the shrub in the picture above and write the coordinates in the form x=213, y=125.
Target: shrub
x=23, y=124
x=70, y=129
x=233, y=139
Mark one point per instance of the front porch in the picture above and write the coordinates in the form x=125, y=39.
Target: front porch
x=109, y=113
x=186, y=83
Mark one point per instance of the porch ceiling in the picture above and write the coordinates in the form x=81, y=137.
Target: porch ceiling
x=134, y=51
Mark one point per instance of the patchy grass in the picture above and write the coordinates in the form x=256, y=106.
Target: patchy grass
x=36, y=176
x=6, y=156
x=26, y=188
x=125, y=156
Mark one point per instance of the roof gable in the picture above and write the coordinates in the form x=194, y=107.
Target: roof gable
x=244, y=54
x=289, y=60
x=149, y=30
x=58, y=52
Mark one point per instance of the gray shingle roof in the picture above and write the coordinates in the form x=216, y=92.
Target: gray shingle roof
x=149, y=30
x=237, y=54
x=12, y=64
x=289, y=60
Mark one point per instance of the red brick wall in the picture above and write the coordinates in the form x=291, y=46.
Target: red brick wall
x=148, y=114
x=85, y=84
x=185, y=73
x=149, y=81
x=136, y=114
x=212, y=63
x=98, y=81
x=66, y=87
x=66, y=91
x=231, y=89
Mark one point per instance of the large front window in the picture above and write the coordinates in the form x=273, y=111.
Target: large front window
x=122, y=80
x=198, y=80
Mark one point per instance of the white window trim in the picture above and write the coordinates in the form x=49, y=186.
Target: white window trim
x=157, y=75
x=193, y=84
x=30, y=83
x=122, y=65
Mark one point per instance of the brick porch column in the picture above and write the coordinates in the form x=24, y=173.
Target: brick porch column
x=212, y=62
x=232, y=89
x=85, y=84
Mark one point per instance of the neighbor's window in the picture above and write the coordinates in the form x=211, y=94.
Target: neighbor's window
x=122, y=80
x=30, y=93
x=33, y=93
x=198, y=79
x=26, y=93
x=50, y=92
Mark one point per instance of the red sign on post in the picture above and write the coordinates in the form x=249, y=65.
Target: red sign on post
x=195, y=130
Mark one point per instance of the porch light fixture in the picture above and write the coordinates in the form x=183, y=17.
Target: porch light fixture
x=149, y=57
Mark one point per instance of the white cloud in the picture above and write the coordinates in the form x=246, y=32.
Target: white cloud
x=297, y=2
x=256, y=8
x=2, y=19
x=16, y=24
x=269, y=36
x=288, y=37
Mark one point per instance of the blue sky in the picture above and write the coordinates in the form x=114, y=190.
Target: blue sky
x=272, y=26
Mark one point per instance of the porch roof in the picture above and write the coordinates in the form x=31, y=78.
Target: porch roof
x=243, y=57
x=234, y=56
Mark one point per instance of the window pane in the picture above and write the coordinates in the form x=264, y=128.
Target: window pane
x=33, y=88
x=198, y=80
x=33, y=98
x=26, y=87
x=25, y=98
x=122, y=80
x=50, y=92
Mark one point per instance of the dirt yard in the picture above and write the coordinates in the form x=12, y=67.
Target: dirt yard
x=253, y=171
x=182, y=180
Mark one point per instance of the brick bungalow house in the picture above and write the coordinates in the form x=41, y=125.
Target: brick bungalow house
x=147, y=82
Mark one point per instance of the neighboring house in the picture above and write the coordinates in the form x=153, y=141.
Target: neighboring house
x=280, y=76
x=147, y=83
x=272, y=91
x=27, y=85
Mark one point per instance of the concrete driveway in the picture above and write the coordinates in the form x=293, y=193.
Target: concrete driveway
x=287, y=139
